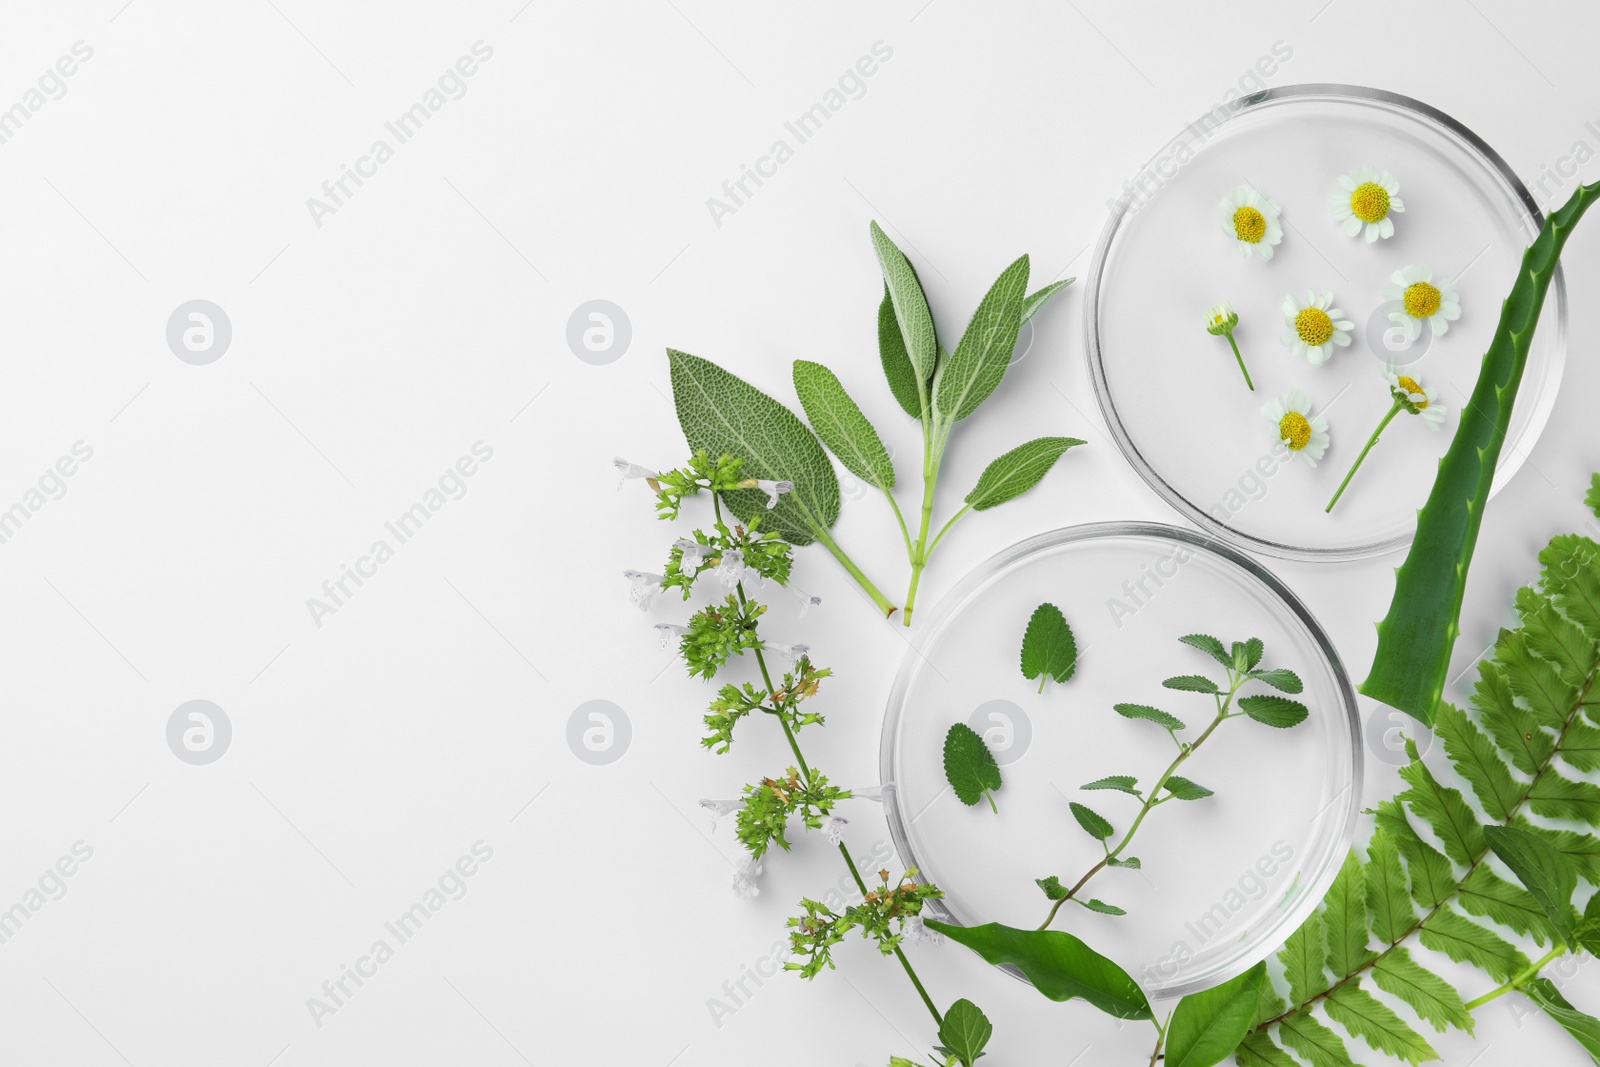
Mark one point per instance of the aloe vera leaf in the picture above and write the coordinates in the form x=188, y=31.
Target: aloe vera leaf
x=1423, y=621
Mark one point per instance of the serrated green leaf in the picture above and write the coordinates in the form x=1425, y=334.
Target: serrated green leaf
x=908, y=389
x=1556, y=797
x=1319, y=1045
x=1017, y=471
x=910, y=304
x=1488, y=896
x=1375, y=1023
x=1430, y=996
x=1184, y=789
x=1345, y=915
x=1037, y=299
x=1210, y=646
x=1052, y=887
x=1584, y=1029
x=1094, y=824
x=1058, y=964
x=841, y=425
x=1122, y=783
x=1208, y=1025
x=1155, y=715
x=1253, y=649
x=1516, y=733
x=1547, y=875
x=976, y=367
x=1466, y=942
x=1102, y=907
x=1443, y=809
x=1388, y=902
x=1582, y=849
x=1281, y=679
x=1535, y=679
x=1432, y=878
x=1275, y=711
x=1305, y=957
x=969, y=766
x=725, y=415
x=1259, y=1051
x=1191, y=683
x=1131, y=862
x=1555, y=637
x=1581, y=747
x=964, y=1032
x=1420, y=628
x=1048, y=647
x=1571, y=577
x=1477, y=760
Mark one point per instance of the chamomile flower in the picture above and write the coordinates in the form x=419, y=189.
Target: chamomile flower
x=643, y=587
x=1220, y=322
x=1366, y=197
x=1422, y=300
x=1302, y=433
x=1409, y=396
x=1315, y=327
x=1252, y=221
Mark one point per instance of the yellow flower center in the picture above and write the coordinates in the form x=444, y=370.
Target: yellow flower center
x=1295, y=430
x=1250, y=225
x=1422, y=300
x=1412, y=388
x=1313, y=326
x=1370, y=202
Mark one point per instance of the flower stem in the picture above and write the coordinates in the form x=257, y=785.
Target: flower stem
x=1236, y=355
x=1393, y=411
x=1520, y=980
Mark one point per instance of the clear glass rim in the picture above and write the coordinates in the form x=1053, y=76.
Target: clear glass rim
x=1358, y=94
x=991, y=568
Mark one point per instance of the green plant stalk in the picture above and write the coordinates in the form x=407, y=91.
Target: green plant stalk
x=1236, y=681
x=1240, y=357
x=1520, y=980
x=1395, y=410
x=932, y=457
x=1423, y=621
x=805, y=769
x=884, y=604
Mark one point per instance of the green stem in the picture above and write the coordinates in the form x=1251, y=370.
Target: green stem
x=1161, y=1039
x=1393, y=411
x=1153, y=798
x=931, y=456
x=1519, y=980
x=883, y=602
x=1236, y=355
x=901, y=519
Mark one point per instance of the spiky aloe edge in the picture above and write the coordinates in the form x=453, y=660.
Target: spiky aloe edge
x=1532, y=706
x=1417, y=634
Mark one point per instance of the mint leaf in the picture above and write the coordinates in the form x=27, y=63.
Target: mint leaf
x=1123, y=783
x=969, y=766
x=1284, y=680
x=1037, y=299
x=1543, y=871
x=1184, y=789
x=910, y=305
x=724, y=415
x=1253, y=649
x=1280, y=712
x=1094, y=824
x=1209, y=645
x=1017, y=471
x=908, y=389
x=1155, y=715
x=975, y=368
x=1192, y=683
x=1102, y=907
x=964, y=1032
x=1131, y=863
x=1048, y=647
x=1053, y=889
x=841, y=425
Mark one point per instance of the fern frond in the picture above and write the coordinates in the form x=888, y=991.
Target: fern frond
x=1466, y=942
x=1430, y=996
x=1478, y=761
x=1388, y=902
x=1374, y=1022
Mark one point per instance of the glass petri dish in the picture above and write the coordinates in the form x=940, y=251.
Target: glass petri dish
x=1173, y=395
x=1224, y=880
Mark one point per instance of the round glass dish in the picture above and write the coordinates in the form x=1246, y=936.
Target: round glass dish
x=1173, y=395
x=1224, y=880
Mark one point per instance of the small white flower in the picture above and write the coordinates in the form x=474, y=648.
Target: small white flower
x=645, y=587
x=730, y=569
x=773, y=490
x=1304, y=434
x=631, y=470
x=1252, y=221
x=796, y=652
x=1422, y=300
x=833, y=828
x=915, y=932
x=872, y=792
x=1315, y=327
x=717, y=809
x=693, y=554
x=669, y=633
x=1366, y=197
x=745, y=873
x=807, y=601
x=1221, y=319
x=1416, y=399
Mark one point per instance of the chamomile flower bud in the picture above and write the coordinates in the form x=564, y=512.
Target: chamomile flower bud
x=833, y=828
x=745, y=873
x=632, y=470
x=730, y=569
x=644, y=587
x=1221, y=319
x=669, y=633
x=692, y=554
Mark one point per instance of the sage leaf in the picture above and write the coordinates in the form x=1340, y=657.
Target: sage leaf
x=1208, y=1025
x=1017, y=471
x=910, y=304
x=969, y=766
x=1270, y=710
x=724, y=415
x=1094, y=824
x=1585, y=1029
x=841, y=425
x=964, y=1032
x=1048, y=647
x=1035, y=301
x=1058, y=964
x=909, y=390
x=1545, y=873
x=975, y=368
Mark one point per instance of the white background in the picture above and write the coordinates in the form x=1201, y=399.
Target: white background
x=428, y=313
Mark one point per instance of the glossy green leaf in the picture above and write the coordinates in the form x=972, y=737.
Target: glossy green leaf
x=1547, y=875
x=1017, y=471
x=841, y=425
x=1058, y=964
x=1208, y=1025
x=1584, y=1029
